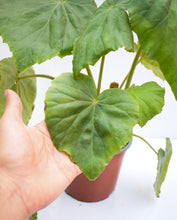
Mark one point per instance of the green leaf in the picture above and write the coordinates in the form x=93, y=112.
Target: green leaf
x=107, y=30
x=152, y=65
x=33, y=217
x=150, y=97
x=90, y=129
x=156, y=27
x=25, y=88
x=8, y=76
x=39, y=30
x=162, y=167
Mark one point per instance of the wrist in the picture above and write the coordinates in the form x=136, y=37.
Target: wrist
x=11, y=204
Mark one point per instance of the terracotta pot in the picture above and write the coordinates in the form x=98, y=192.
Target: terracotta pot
x=93, y=191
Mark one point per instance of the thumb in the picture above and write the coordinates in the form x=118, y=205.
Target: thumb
x=13, y=108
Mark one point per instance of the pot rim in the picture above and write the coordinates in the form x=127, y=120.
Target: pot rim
x=125, y=147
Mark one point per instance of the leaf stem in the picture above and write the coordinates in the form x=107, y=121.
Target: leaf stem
x=36, y=75
x=100, y=75
x=132, y=70
x=125, y=79
x=135, y=135
x=89, y=72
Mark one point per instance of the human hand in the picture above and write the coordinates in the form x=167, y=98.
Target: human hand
x=33, y=172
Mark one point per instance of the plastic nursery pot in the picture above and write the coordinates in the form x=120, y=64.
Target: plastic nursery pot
x=93, y=191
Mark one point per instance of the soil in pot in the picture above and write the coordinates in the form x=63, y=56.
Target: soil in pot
x=93, y=191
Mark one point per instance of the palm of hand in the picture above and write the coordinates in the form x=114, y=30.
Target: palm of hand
x=30, y=161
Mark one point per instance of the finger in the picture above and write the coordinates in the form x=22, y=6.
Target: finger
x=13, y=108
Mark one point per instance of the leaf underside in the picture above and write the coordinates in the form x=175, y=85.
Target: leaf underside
x=25, y=88
x=96, y=40
x=152, y=65
x=150, y=97
x=90, y=129
x=162, y=167
x=154, y=21
x=38, y=30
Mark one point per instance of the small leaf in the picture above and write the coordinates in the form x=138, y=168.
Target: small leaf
x=38, y=30
x=25, y=88
x=152, y=65
x=156, y=27
x=162, y=167
x=150, y=97
x=33, y=217
x=90, y=129
x=107, y=30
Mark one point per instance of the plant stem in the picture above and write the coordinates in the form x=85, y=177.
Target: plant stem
x=36, y=75
x=122, y=84
x=89, y=72
x=134, y=64
x=100, y=75
x=146, y=143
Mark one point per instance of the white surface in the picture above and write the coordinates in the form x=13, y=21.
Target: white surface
x=134, y=196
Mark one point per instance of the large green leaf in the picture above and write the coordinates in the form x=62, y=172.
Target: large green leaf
x=162, y=167
x=90, y=129
x=154, y=21
x=107, y=30
x=33, y=217
x=25, y=88
x=150, y=97
x=39, y=30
